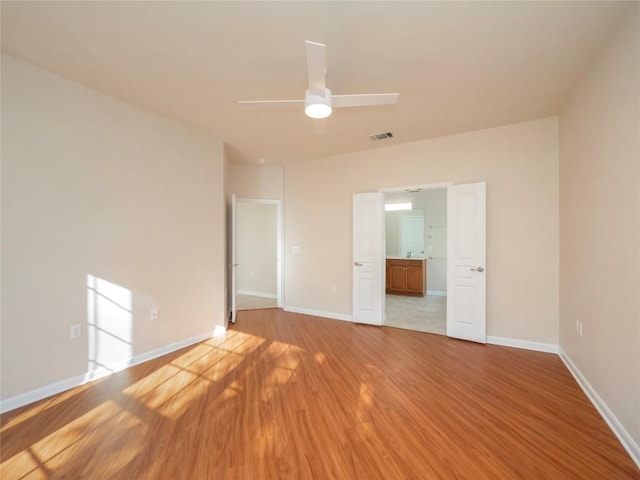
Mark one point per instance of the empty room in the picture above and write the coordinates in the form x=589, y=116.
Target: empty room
x=313, y=240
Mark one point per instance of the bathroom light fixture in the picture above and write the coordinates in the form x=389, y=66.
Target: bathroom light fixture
x=394, y=207
x=317, y=105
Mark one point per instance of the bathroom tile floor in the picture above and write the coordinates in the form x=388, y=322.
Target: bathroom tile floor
x=423, y=314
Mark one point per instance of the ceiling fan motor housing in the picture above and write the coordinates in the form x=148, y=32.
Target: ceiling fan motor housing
x=317, y=105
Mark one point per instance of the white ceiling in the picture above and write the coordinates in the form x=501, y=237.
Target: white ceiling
x=458, y=66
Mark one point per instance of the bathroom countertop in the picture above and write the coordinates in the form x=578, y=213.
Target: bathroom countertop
x=405, y=258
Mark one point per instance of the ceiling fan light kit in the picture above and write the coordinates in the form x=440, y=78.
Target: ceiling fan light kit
x=319, y=102
x=318, y=106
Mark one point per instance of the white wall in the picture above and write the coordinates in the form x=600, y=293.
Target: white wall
x=256, y=243
x=520, y=165
x=92, y=186
x=600, y=225
x=256, y=181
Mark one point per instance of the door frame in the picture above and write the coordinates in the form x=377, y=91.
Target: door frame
x=428, y=186
x=279, y=277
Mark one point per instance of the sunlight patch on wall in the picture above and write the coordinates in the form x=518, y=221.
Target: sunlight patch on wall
x=109, y=323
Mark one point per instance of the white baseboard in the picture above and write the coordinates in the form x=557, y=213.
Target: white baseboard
x=437, y=293
x=257, y=294
x=525, y=344
x=318, y=313
x=26, y=398
x=632, y=448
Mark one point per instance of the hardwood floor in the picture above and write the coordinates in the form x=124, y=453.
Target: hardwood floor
x=287, y=396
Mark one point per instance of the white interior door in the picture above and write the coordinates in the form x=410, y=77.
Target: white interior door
x=466, y=258
x=368, y=254
x=234, y=253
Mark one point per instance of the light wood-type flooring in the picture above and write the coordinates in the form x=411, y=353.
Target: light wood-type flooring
x=289, y=396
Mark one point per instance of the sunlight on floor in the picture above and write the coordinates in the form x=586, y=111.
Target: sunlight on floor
x=284, y=359
x=170, y=389
x=119, y=425
x=45, y=405
x=67, y=443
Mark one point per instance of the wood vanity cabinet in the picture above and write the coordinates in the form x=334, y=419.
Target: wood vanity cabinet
x=406, y=276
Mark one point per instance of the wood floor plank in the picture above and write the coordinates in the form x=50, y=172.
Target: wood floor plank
x=289, y=396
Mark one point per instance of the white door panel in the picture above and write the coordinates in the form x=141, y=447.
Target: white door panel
x=466, y=253
x=368, y=266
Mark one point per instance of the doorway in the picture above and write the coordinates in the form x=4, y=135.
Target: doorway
x=466, y=258
x=256, y=251
x=416, y=259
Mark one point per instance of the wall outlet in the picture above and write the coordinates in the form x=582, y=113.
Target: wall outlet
x=154, y=314
x=295, y=249
x=75, y=331
x=333, y=289
x=579, y=327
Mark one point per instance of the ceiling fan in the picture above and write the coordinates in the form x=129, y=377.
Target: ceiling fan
x=318, y=100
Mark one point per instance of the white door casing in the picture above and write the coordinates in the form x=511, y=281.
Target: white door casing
x=233, y=262
x=466, y=262
x=368, y=253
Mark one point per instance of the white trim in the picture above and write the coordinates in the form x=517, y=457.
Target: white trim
x=524, y=344
x=26, y=398
x=428, y=186
x=257, y=294
x=632, y=448
x=437, y=293
x=318, y=313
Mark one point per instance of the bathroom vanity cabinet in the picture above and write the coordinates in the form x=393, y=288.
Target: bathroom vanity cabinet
x=406, y=276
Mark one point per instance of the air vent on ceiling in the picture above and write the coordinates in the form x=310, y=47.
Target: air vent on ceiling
x=381, y=136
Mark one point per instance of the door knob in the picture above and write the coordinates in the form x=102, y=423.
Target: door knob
x=477, y=269
x=357, y=264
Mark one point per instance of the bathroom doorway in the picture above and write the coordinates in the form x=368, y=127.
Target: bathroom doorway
x=416, y=259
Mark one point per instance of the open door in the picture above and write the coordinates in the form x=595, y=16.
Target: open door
x=466, y=254
x=233, y=256
x=368, y=254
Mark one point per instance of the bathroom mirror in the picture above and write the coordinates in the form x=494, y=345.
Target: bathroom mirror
x=405, y=233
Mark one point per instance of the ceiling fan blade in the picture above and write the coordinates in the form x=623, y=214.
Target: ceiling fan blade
x=363, y=100
x=256, y=102
x=316, y=67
